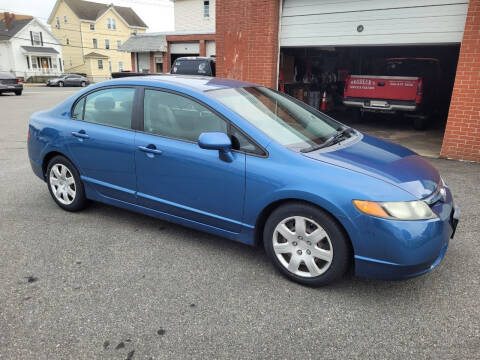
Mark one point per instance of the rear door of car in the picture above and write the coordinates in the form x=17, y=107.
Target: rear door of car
x=101, y=141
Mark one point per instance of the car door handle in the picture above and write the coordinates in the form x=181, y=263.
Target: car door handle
x=150, y=150
x=80, y=134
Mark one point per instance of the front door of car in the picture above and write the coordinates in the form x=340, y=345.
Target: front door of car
x=69, y=80
x=176, y=176
x=101, y=142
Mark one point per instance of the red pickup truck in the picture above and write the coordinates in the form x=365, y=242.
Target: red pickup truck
x=407, y=85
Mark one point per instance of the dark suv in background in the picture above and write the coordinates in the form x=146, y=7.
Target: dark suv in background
x=194, y=65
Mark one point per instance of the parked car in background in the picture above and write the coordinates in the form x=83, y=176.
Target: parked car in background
x=194, y=65
x=69, y=80
x=9, y=83
x=250, y=164
x=406, y=86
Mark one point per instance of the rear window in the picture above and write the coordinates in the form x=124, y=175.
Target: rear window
x=192, y=67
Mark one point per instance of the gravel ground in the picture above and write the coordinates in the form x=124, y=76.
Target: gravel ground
x=110, y=284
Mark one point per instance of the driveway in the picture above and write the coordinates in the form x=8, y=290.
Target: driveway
x=110, y=284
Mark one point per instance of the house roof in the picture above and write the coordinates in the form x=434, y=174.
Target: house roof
x=13, y=29
x=40, y=49
x=96, y=55
x=145, y=42
x=87, y=10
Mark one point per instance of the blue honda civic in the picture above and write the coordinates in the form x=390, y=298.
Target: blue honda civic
x=250, y=164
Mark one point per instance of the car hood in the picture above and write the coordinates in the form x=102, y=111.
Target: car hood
x=386, y=161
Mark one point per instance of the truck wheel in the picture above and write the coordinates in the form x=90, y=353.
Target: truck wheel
x=420, y=123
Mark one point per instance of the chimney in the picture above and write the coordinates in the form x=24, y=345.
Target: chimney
x=8, y=19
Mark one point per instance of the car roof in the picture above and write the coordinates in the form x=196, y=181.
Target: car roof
x=190, y=82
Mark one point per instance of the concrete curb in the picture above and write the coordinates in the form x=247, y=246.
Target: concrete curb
x=33, y=84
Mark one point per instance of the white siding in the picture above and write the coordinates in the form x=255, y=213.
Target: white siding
x=335, y=22
x=189, y=16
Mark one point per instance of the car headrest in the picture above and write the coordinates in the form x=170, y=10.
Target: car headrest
x=104, y=103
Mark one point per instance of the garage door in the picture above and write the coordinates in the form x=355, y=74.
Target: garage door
x=184, y=48
x=372, y=22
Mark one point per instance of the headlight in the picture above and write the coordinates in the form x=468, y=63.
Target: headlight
x=401, y=210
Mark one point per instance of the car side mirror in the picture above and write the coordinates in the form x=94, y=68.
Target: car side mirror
x=217, y=141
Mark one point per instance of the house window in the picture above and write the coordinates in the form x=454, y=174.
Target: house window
x=95, y=43
x=36, y=38
x=119, y=43
x=68, y=41
x=134, y=32
x=206, y=9
x=107, y=44
x=110, y=66
x=57, y=22
x=92, y=27
x=70, y=62
x=100, y=64
x=120, y=66
x=111, y=24
x=65, y=19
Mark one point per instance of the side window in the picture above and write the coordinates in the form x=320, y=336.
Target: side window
x=242, y=143
x=111, y=107
x=77, y=112
x=183, y=67
x=178, y=117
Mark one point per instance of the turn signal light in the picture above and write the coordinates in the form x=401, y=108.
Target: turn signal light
x=370, y=208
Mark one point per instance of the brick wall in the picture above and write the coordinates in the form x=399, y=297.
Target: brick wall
x=462, y=135
x=247, y=40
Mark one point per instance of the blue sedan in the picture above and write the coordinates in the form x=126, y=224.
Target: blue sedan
x=250, y=164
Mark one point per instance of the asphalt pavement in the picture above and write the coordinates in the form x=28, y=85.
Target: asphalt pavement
x=110, y=284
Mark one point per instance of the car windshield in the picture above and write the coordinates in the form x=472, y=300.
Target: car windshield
x=282, y=118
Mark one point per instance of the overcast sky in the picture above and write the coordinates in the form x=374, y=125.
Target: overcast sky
x=157, y=14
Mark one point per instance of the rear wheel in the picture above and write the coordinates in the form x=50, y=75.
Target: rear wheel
x=65, y=185
x=306, y=244
x=83, y=84
x=18, y=92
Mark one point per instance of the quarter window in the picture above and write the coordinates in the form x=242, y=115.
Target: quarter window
x=242, y=143
x=178, y=117
x=111, y=107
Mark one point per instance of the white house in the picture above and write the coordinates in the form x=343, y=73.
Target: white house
x=28, y=49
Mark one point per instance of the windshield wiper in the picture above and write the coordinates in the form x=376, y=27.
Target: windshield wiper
x=334, y=139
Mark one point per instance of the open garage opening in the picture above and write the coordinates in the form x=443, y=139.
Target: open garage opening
x=399, y=93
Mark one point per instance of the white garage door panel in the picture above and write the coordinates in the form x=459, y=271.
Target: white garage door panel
x=184, y=48
x=306, y=7
x=442, y=23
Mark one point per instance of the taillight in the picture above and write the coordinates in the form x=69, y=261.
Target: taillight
x=418, y=98
x=19, y=81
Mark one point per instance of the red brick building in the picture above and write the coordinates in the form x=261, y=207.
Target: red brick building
x=250, y=35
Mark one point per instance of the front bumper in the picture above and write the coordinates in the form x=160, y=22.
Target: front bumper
x=395, y=250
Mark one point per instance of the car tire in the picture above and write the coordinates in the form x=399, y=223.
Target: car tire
x=83, y=84
x=327, y=254
x=60, y=83
x=18, y=93
x=65, y=185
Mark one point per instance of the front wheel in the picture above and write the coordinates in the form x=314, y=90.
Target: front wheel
x=60, y=83
x=65, y=185
x=306, y=244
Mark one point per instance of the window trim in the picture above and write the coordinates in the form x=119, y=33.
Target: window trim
x=141, y=114
x=134, y=115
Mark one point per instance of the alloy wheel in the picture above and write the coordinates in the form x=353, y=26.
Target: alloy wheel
x=302, y=246
x=62, y=184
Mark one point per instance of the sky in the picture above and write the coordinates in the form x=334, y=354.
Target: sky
x=157, y=14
